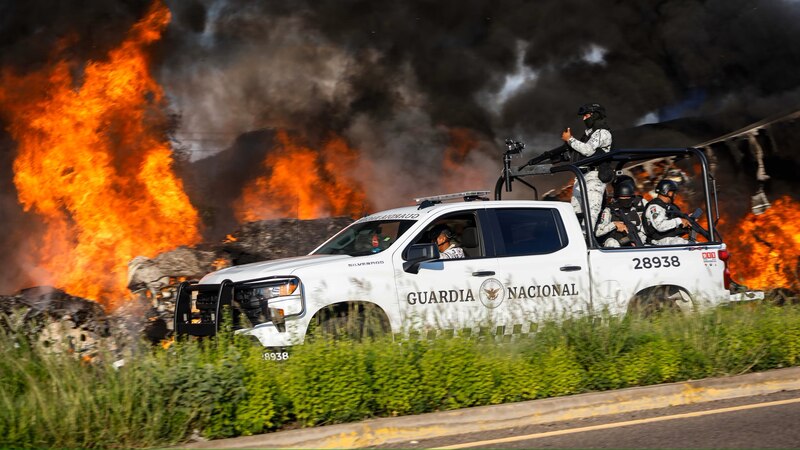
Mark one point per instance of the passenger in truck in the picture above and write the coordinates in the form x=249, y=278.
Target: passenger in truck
x=662, y=221
x=620, y=222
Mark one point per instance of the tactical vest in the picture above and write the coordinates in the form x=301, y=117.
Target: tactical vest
x=626, y=216
x=650, y=230
x=604, y=172
x=575, y=156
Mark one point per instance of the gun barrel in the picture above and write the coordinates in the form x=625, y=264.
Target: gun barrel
x=674, y=212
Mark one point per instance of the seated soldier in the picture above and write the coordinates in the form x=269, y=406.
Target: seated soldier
x=620, y=222
x=449, y=247
x=660, y=224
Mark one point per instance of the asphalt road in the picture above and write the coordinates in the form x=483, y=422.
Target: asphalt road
x=765, y=421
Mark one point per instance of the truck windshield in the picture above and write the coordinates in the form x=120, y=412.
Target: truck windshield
x=365, y=238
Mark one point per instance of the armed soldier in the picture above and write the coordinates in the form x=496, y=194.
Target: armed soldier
x=621, y=221
x=596, y=138
x=660, y=224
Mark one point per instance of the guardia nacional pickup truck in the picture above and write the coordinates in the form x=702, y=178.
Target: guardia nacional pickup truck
x=525, y=261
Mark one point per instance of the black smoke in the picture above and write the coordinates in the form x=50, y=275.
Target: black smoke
x=649, y=56
x=395, y=78
x=32, y=32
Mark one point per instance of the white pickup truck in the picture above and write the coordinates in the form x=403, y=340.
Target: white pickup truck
x=525, y=260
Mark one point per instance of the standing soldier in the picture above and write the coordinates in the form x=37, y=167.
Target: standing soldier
x=659, y=227
x=596, y=138
x=621, y=222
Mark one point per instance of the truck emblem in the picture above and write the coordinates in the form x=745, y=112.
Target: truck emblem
x=492, y=293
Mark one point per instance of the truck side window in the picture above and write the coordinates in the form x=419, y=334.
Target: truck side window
x=464, y=225
x=529, y=231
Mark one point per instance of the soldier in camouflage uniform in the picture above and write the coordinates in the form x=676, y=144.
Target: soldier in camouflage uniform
x=622, y=217
x=596, y=138
x=659, y=227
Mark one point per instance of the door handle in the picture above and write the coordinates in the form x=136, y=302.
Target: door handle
x=570, y=268
x=483, y=273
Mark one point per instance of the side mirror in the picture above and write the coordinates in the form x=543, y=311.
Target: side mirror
x=418, y=254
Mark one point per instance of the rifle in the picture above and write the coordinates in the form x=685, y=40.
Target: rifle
x=633, y=235
x=633, y=232
x=695, y=228
x=515, y=148
x=553, y=156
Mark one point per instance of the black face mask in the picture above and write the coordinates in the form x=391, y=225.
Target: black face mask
x=625, y=202
x=589, y=121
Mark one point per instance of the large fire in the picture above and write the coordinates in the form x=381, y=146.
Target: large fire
x=304, y=183
x=457, y=172
x=765, y=248
x=94, y=163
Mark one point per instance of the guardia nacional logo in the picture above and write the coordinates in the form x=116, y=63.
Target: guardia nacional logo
x=492, y=293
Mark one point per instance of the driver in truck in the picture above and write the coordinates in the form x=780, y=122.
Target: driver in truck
x=449, y=247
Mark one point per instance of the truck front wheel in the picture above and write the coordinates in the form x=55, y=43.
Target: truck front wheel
x=353, y=320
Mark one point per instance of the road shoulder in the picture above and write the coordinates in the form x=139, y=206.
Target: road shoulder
x=497, y=417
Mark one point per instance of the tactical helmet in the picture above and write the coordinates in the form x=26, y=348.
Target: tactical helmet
x=664, y=187
x=624, y=188
x=624, y=179
x=591, y=108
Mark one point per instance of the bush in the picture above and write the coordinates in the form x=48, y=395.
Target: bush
x=223, y=387
x=328, y=382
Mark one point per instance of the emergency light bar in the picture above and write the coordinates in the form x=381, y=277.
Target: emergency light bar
x=467, y=196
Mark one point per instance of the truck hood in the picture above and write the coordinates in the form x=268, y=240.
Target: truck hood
x=284, y=266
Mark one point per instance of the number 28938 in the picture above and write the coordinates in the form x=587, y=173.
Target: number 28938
x=656, y=262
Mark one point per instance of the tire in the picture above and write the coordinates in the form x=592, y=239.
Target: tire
x=660, y=300
x=355, y=321
x=781, y=297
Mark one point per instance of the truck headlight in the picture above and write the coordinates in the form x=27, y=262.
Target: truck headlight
x=269, y=300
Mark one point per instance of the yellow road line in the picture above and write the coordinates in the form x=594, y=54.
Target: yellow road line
x=621, y=424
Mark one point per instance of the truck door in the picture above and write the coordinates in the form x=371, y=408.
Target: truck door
x=444, y=294
x=542, y=271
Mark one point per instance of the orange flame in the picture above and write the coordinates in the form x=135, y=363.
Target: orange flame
x=765, y=248
x=304, y=183
x=457, y=172
x=93, y=162
x=220, y=263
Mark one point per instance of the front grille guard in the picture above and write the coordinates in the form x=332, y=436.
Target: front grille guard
x=205, y=318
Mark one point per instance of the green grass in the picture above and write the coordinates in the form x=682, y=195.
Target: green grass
x=222, y=387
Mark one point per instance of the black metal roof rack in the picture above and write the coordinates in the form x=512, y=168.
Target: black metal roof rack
x=549, y=163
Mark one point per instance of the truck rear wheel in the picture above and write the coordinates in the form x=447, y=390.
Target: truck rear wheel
x=659, y=300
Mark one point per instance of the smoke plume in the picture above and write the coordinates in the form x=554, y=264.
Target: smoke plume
x=394, y=78
x=398, y=80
